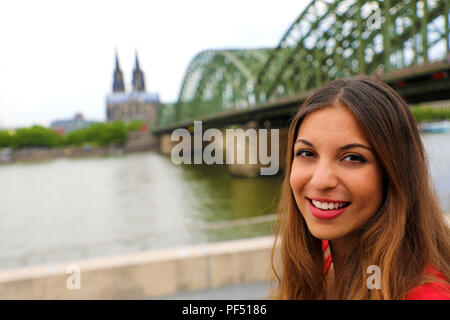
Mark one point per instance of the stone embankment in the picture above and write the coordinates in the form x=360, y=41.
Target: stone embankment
x=149, y=274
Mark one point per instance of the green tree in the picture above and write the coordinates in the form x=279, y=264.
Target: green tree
x=99, y=134
x=36, y=136
x=6, y=140
x=134, y=125
x=423, y=113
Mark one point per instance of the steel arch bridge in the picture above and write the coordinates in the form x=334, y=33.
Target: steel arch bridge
x=330, y=39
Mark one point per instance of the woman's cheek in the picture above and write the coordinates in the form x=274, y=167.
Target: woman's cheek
x=366, y=180
x=296, y=179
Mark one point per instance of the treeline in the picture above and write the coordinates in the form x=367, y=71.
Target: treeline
x=116, y=133
x=423, y=113
x=99, y=134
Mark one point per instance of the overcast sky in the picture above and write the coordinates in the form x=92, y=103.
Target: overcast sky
x=57, y=57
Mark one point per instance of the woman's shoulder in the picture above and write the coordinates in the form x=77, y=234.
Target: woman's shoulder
x=430, y=291
x=435, y=290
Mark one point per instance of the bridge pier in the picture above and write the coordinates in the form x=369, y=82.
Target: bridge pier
x=242, y=153
x=261, y=150
x=165, y=144
x=283, y=147
x=248, y=151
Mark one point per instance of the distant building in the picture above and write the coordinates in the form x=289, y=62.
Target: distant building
x=135, y=105
x=68, y=125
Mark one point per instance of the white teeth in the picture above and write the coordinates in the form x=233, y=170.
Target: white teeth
x=328, y=205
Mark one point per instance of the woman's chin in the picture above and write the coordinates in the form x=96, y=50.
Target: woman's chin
x=325, y=233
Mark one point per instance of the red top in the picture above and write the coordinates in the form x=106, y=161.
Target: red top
x=328, y=259
x=434, y=290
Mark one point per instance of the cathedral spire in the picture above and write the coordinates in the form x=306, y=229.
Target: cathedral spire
x=137, y=61
x=118, y=84
x=138, y=77
x=117, y=61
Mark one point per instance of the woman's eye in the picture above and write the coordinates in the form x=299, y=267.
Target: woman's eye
x=304, y=153
x=355, y=158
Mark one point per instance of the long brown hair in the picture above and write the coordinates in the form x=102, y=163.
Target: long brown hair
x=407, y=233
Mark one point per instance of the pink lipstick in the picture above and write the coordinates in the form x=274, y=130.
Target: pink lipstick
x=325, y=214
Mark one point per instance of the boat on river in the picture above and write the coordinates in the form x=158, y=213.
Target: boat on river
x=435, y=127
x=5, y=155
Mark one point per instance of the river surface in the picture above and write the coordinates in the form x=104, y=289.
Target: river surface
x=68, y=209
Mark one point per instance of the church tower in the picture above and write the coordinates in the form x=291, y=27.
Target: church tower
x=135, y=105
x=118, y=84
x=138, y=77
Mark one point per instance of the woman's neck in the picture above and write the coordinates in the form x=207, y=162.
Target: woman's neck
x=340, y=249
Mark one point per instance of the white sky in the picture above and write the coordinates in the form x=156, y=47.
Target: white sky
x=57, y=57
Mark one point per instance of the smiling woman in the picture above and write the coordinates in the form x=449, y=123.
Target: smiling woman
x=333, y=167
x=357, y=197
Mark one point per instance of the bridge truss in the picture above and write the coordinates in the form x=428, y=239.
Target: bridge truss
x=329, y=40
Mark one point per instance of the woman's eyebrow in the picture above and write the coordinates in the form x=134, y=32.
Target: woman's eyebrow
x=347, y=146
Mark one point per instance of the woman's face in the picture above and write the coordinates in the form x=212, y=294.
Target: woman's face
x=335, y=176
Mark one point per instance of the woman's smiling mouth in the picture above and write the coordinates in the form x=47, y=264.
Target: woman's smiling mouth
x=327, y=209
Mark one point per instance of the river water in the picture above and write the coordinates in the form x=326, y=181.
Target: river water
x=68, y=209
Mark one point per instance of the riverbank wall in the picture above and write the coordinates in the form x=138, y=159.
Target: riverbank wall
x=149, y=274
x=143, y=275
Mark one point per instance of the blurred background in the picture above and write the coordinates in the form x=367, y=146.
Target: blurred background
x=91, y=91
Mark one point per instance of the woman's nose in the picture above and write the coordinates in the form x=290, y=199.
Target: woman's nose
x=323, y=176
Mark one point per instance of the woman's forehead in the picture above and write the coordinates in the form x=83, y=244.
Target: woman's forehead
x=331, y=123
